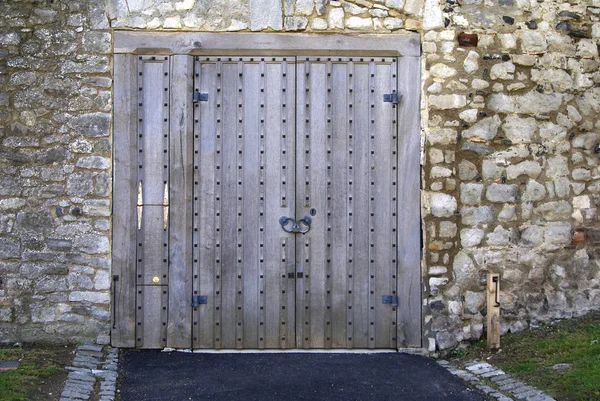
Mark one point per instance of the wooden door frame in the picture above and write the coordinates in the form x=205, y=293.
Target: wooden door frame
x=183, y=46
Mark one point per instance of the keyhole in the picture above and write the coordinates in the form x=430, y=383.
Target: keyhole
x=313, y=211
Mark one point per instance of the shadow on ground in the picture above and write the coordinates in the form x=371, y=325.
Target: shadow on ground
x=164, y=376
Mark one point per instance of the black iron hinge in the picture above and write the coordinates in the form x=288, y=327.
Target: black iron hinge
x=199, y=300
x=393, y=97
x=390, y=299
x=200, y=97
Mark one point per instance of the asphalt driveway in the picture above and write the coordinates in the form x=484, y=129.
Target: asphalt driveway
x=179, y=376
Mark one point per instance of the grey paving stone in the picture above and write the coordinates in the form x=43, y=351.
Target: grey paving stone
x=90, y=347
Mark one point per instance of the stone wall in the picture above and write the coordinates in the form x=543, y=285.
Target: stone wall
x=511, y=99
x=55, y=184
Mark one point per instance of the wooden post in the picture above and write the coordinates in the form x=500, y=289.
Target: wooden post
x=493, y=311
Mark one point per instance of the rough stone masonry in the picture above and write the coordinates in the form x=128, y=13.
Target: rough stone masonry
x=510, y=133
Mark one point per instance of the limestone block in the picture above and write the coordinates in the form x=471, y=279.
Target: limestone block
x=442, y=136
x=184, y=5
x=392, y=23
x=10, y=39
x=533, y=42
x=476, y=215
x=266, y=14
x=92, y=243
x=432, y=14
x=519, y=130
x=558, y=80
x=502, y=193
x=490, y=170
x=11, y=204
x=440, y=172
x=89, y=296
x=448, y=229
x=587, y=48
x=295, y=23
x=469, y=116
x=532, y=236
x=464, y=270
x=172, y=22
x=501, y=103
x=585, y=141
x=471, y=63
x=503, y=71
x=508, y=41
x=557, y=166
x=319, y=24
x=397, y=4
x=535, y=103
x=560, y=234
x=582, y=174
x=534, y=191
x=553, y=211
x=442, y=205
x=499, y=237
x=524, y=60
x=552, y=132
x=467, y=170
x=474, y=301
x=359, y=23
x=485, y=129
x=446, y=102
x=353, y=9
x=10, y=248
x=335, y=18
x=470, y=194
x=441, y=70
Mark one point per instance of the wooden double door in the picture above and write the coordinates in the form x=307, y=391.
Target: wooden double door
x=271, y=220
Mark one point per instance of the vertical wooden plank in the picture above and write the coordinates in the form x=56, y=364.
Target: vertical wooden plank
x=289, y=200
x=339, y=201
x=252, y=107
x=206, y=198
x=383, y=174
x=229, y=206
x=181, y=145
x=124, y=218
x=409, y=201
x=316, y=180
x=493, y=311
x=153, y=90
x=151, y=316
x=361, y=214
x=275, y=277
x=302, y=166
x=152, y=247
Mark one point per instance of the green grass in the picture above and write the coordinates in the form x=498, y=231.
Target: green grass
x=38, y=366
x=531, y=354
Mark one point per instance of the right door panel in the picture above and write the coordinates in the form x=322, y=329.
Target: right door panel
x=346, y=175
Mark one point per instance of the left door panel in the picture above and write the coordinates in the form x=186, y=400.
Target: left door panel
x=243, y=183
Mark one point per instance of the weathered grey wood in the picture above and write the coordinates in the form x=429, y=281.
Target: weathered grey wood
x=339, y=202
x=409, y=244
x=151, y=316
x=250, y=202
x=360, y=209
x=153, y=128
x=313, y=183
x=206, y=252
x=152, y=263
x=383, y=266
x=124, y=201
x=407, y=45
x=181, y=145
x=229, y=208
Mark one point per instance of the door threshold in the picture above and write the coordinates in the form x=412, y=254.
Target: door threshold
x=414, y=351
